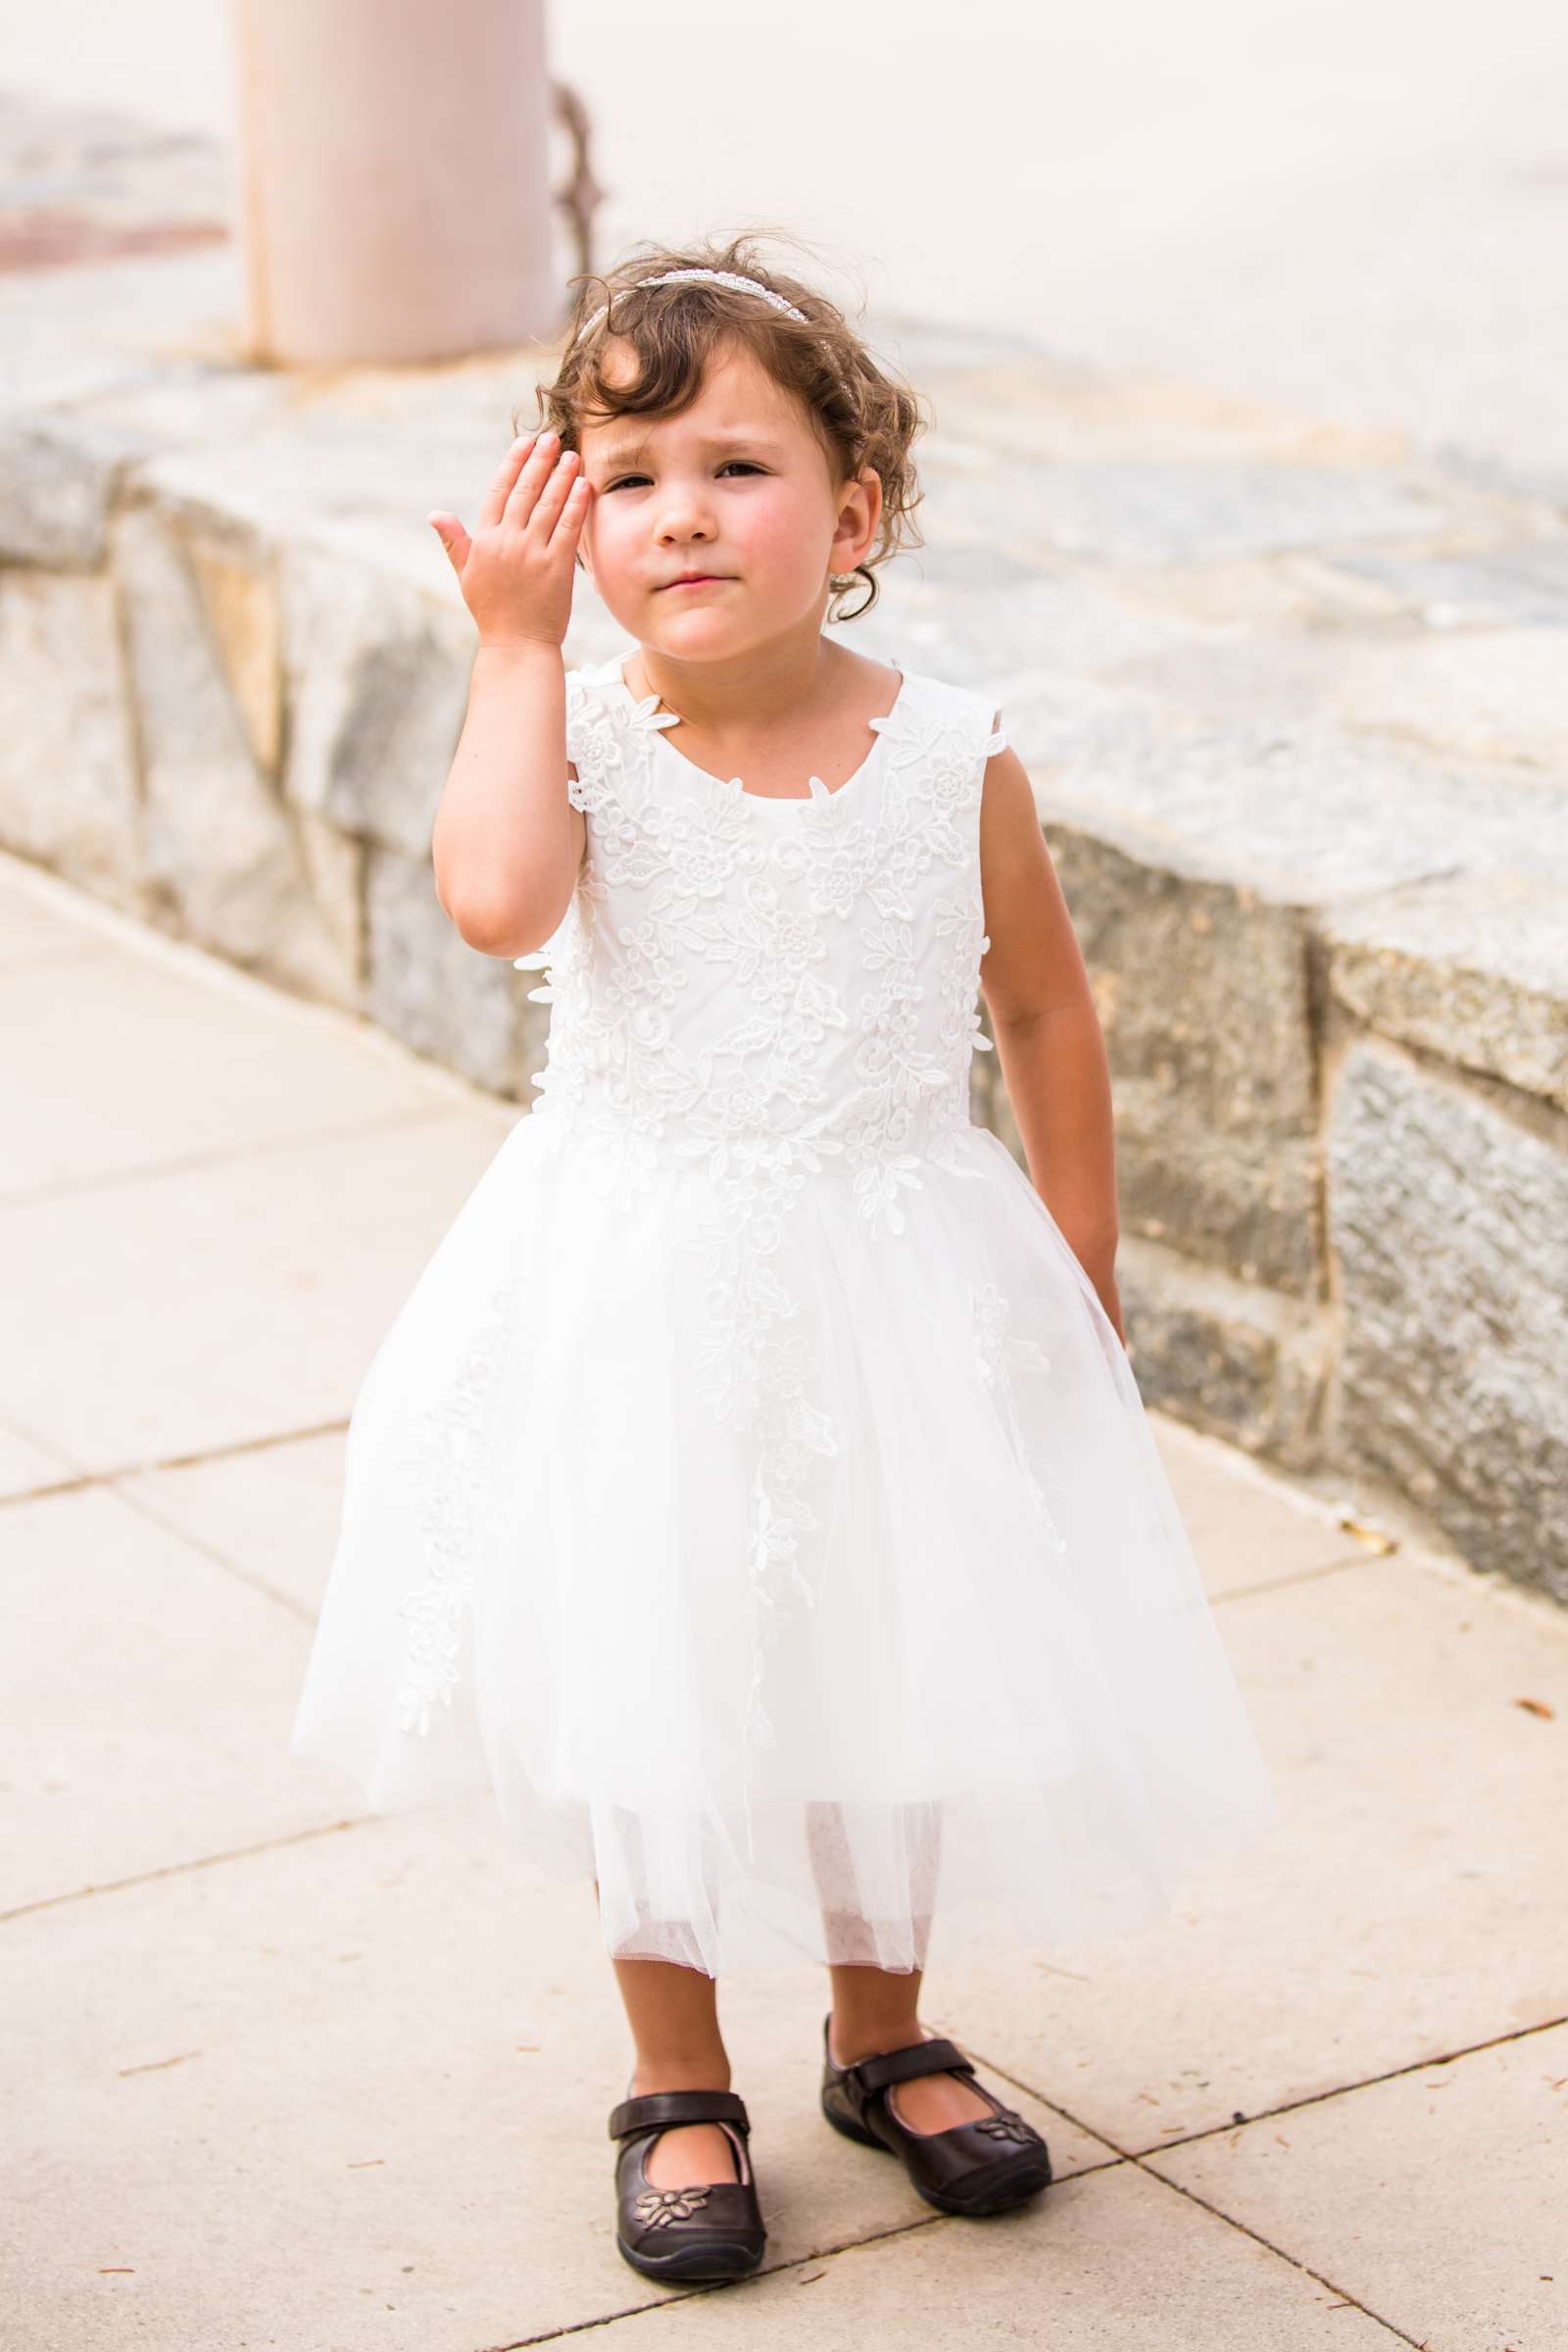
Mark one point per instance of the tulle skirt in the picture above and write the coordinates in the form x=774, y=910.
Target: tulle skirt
x=812, y=1582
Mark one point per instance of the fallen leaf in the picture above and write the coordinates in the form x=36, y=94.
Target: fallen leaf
x=153, y=2065
x=1368, y=1535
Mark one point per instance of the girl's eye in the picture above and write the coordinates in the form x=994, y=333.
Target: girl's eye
x=624, y=479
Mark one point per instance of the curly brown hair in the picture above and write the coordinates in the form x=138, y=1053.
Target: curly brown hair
x=860, y=413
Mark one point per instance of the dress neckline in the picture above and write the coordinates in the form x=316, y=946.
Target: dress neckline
x=646, y=713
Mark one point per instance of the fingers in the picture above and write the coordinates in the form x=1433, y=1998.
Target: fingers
x=575, y=505
x=536, y=479
x=501, y=481
x=561, y=486
x=453, y=537
x=540, y=469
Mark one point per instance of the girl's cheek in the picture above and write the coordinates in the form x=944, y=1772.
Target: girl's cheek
x=777, y=530
x=758, y=535
x=603, y=538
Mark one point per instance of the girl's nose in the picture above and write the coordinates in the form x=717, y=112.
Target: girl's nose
x=682, y=514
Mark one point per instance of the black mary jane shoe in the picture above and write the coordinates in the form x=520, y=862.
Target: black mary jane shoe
x=985, y=2166
x=710, y=2231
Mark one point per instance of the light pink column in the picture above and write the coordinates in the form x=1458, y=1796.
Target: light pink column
x=394, y=187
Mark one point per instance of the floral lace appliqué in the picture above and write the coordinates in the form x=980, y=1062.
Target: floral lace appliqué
x=445, y=1472
x=996, y=1350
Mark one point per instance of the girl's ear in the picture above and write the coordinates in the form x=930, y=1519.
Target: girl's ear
x=863, y=510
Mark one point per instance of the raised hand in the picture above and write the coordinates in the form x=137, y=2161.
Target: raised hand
x=516, y=572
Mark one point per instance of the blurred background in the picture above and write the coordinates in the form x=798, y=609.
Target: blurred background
x=1359, y=208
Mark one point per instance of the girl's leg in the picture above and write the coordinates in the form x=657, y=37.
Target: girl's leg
x=874, y=2009
x=673, y=2015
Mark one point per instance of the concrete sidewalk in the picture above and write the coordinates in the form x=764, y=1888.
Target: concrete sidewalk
x=281, y=2075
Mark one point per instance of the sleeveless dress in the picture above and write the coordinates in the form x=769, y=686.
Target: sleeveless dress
x=752, y=1492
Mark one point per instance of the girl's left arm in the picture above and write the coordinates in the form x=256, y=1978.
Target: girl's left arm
x=1047, y=1033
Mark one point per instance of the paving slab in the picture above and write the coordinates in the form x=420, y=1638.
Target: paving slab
x=145, y=1702
x=1027, y=403
x=269, y=1512
x=972, y=610
x=352, y=2092
x=1521, y=581
x=1470, y=697
x=284, y=1268
x=77, y=334
x=1475, y=696
x=1104, y=2263
x=26, y=1463
x=1155, y=510
x=1249, y=1526
x=1437, y=2198
x=163, y=1072
x=1411, y=1905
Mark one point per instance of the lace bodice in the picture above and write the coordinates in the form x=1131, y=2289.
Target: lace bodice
x=792, y=981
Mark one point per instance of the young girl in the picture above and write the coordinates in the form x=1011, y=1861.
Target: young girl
x=755, y=1491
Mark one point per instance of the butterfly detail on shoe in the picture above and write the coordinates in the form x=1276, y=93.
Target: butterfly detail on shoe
x=1006, y=2124
x=657, y=2205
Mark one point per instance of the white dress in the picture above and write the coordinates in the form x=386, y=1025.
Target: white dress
x=753, y=1490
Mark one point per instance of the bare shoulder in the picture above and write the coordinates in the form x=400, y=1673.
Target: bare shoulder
x=1033, y=963
x=1007, y=807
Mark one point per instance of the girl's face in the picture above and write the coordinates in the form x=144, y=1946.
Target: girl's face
x=736, y=488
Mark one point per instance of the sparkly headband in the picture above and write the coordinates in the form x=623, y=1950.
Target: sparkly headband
x=724, y=277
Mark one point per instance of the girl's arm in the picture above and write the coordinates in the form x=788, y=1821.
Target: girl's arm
x=506, y=842
x=1047, y=1033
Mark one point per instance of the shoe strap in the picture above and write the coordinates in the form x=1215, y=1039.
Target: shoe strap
x=935, y=2057
x=654, y=2109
